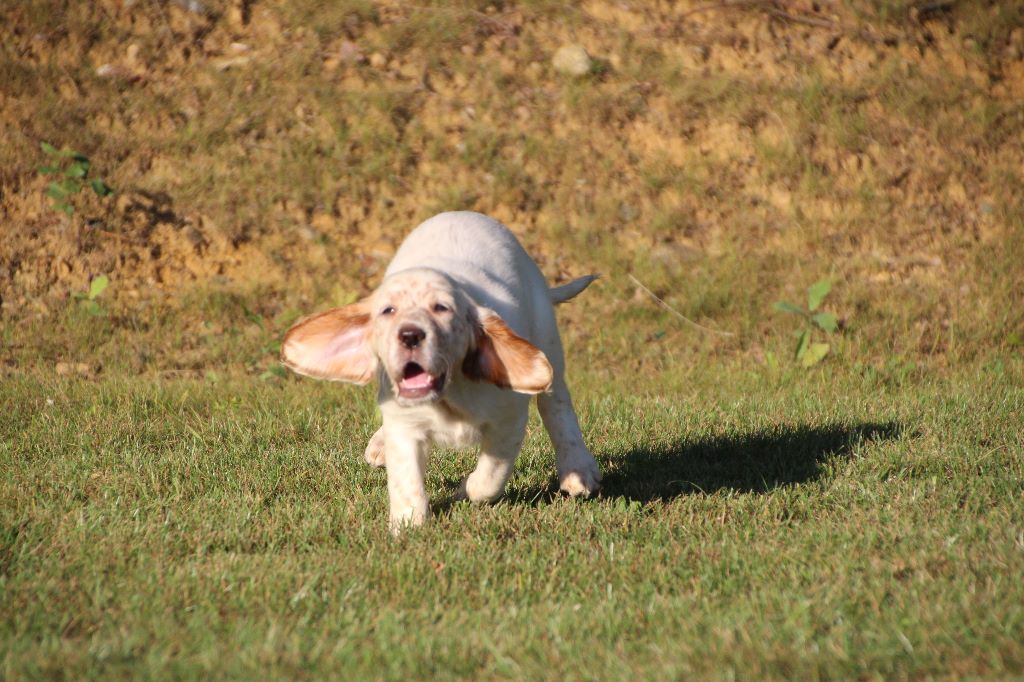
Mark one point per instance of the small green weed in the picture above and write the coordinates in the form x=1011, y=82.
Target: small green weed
x=73, y=169
x=96, y=287
x=807, y=353
x=274, y=372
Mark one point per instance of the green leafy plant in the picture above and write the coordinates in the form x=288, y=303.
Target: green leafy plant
x=809, y=352
x=72, y=170
x=274, y=372
x=88, y=298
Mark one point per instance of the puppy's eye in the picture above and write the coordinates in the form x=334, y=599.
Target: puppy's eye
x=388, y=310
x=441, y=308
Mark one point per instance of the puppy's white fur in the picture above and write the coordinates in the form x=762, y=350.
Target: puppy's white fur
x=460, y=333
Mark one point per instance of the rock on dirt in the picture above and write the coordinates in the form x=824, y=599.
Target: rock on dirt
x=572, y=60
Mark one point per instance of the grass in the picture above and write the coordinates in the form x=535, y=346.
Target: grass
x=749, y=527
x=173, y=506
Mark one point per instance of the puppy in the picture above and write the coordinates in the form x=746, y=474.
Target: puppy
x=459, y=334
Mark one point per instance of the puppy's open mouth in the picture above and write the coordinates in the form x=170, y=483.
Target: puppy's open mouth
x=417, y=382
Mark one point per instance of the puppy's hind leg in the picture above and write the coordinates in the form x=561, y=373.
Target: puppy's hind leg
x=374, y=454
x=578, y=473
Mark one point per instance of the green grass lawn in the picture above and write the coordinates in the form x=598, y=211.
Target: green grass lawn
x=173, y=505
x=827, y=524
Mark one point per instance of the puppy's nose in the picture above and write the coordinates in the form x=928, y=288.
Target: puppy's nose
x=411, y=335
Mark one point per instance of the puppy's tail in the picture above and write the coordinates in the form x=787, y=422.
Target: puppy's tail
x=571, y=290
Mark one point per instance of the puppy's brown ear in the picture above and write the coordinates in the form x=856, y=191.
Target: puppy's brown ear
x=505, y=359
x=332, y=345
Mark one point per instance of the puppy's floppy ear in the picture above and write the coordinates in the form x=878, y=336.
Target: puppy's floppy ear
x=504, y=358
x=332, y=345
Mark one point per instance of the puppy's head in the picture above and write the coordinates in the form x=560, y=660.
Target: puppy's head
x=420, y=332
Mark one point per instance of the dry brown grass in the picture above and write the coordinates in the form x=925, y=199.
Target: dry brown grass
x=726, y=155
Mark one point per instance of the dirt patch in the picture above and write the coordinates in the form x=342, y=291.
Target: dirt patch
x=290, y=147
x=137, y=239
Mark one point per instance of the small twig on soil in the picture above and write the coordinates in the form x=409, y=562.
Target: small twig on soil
x=773, y=11
x=782, y=124
x=491, y=20
x=71, y=79
x=929, y=8
x=449, y=10
x=106, y=233
x=675, y=312
x=727, y=4
x=810, y=21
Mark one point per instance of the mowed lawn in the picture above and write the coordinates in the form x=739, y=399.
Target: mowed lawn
x=820, y=524
x=175, y=505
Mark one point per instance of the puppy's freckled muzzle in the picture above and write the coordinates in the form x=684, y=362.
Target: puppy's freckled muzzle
x=417, y=383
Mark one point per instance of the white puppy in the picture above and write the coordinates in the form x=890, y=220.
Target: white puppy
x=459, y=333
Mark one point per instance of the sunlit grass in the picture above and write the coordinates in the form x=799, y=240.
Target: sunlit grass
x=766, y=529
x=173, y=505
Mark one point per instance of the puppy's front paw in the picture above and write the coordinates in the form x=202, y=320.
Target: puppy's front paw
x=479, y=491
x=403, y=519
x=583, y=481
x=374, y=453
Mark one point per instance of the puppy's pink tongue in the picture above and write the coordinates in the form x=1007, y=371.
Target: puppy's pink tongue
x=421, y=380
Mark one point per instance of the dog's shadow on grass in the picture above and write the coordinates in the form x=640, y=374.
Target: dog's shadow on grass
x=752, y=462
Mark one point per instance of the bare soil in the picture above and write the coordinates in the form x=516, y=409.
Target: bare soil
x=263, y=146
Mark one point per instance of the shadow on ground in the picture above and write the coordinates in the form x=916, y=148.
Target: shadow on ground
x=754, y=462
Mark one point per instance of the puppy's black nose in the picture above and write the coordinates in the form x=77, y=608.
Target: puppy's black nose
x=410, y=335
